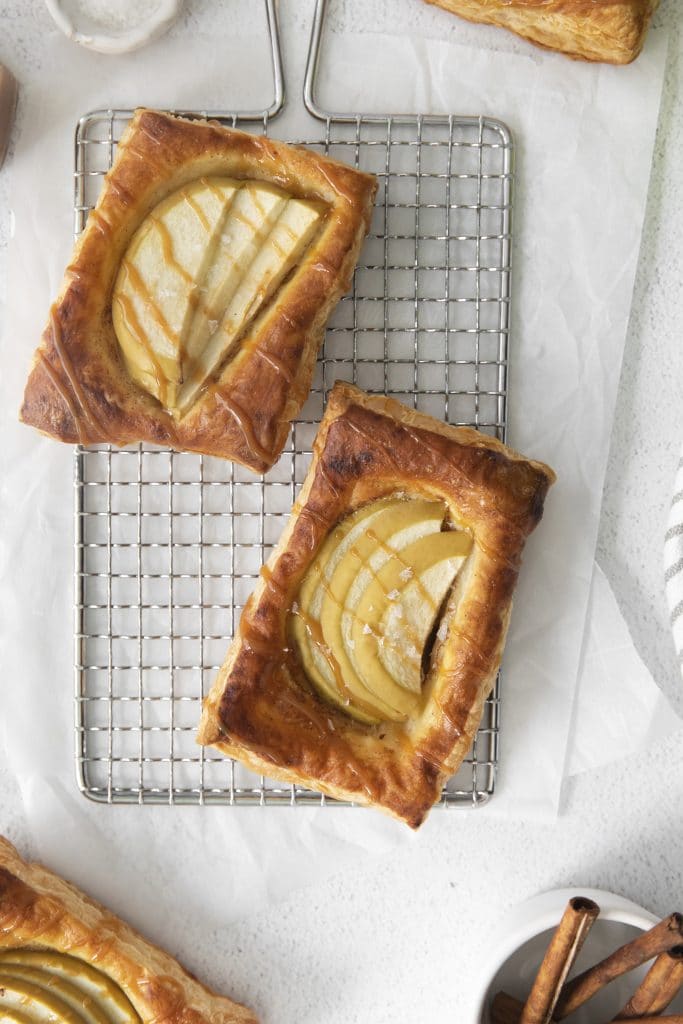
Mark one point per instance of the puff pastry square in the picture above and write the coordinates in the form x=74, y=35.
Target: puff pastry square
x=80, y=389
x=612, y=31
x=40, y=911
x=262, y=708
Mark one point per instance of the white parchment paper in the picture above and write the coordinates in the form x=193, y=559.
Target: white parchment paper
x=580, y=200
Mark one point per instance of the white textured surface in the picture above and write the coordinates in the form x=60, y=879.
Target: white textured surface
x=673, y=562
x=399, y=939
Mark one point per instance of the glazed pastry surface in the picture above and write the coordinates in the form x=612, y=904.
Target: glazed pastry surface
x=612, y=31
x=145, y=343
x=41, y=912
x=263, y=708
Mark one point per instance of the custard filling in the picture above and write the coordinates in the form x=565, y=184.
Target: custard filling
x=369, y=604
x=39, y=986
x=198, y=271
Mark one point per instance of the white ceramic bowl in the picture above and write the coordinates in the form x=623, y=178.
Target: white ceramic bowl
x=101, y=26
x=522, y=936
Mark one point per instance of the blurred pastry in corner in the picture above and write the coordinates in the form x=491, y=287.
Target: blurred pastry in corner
x=8, y=102
x=612, y=31
x=63, y=957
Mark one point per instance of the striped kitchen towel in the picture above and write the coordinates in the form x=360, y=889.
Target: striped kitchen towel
x=673, y=562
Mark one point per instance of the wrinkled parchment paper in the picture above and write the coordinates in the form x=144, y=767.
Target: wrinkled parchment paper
x=580, y=201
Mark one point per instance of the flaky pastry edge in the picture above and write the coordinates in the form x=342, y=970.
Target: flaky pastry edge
x=40, y=910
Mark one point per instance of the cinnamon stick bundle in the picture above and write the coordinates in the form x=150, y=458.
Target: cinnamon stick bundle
x=662, y=937
x=505, y=1009
x=674, y=1018
x=658, y=988
x=562, y=950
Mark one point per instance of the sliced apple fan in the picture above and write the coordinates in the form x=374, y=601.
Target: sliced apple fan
x=42, y=986
x=198, y=270
x=368, y=605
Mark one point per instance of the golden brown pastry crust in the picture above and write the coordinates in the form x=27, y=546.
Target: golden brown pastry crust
x=41, y=910
x=79, y=389
x=261, y=708
x=612, y=31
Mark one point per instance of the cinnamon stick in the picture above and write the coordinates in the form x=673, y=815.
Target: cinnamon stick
x=562, y=950
x=505, y=1009
x=674, y=1018
x=662, y=937
x=658, y=987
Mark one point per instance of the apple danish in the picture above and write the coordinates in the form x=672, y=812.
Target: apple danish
x=65, y=958
x=375, y=632
x=612, y=31
x=197, y=297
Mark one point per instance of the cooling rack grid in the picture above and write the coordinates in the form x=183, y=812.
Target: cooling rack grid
x=168, y=544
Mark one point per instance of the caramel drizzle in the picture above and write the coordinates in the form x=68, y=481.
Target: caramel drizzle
x=257, y=644
x=412, y=635
x=261, y=210
x=459, y=472
x=277, y=364
x=376, y=636
x=54, y=377
x=214, y=190
x=422, y=441
x=328, y=480
x=133, y=324
x=324, y=726
x=196, y=209
x=315, y=633
x=78, y=275
x=334, y=186
x=140, y=289
x=371, y=441
x=244, y=220
x=119, y=190
x=245, y=425
x=78, y=391
x=167, y=249
x=393, y=553
x=100, y=222
x=282, y=253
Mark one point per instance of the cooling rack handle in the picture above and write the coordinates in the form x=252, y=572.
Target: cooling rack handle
x=313, y=62
x=276, y=60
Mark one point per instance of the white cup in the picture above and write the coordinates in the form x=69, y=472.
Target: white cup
x=522, y=936
x=99, y=28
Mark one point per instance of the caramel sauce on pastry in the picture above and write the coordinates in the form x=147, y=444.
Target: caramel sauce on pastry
x=369, y=602
x=80, y=410
x=244, y=422
x=230, y=290
x=204, y=263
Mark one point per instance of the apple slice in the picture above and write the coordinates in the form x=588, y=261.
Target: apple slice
x=16, y=1016
x=254, y=211
x=398, y=526
x=157, y=287
x=245, y=288
x=43, y=1005
x=386, y=631
x=197, y=272
x=316, y=615
x=316, y=657
x=93, y=982
x=82, y=1003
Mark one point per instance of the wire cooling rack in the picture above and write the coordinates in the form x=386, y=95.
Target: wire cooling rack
x=168, y=544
